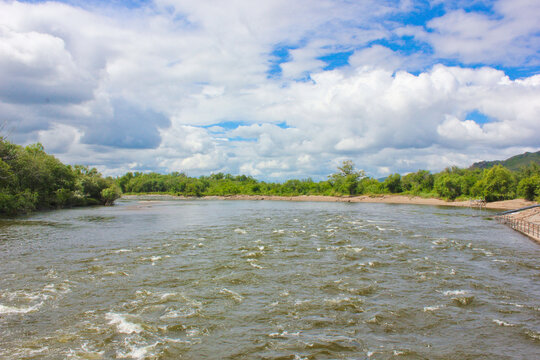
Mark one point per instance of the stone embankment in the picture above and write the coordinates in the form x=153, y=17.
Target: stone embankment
x=526, y=221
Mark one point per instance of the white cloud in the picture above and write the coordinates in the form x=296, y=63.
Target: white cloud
x=462, y=132
x=59, y=138
x=510, y=36
x=37, y=69
x=151, y=89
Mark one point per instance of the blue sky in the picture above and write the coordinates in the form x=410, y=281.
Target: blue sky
x=272, y=89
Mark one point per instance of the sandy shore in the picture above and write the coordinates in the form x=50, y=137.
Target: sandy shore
x=387, y=199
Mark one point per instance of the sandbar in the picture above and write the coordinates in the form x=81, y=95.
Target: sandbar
x=387, y=199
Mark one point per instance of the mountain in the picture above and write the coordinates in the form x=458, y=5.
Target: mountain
x=513, y=163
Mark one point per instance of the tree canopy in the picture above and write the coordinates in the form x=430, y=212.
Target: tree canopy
x=31, y=179
x=496, y=183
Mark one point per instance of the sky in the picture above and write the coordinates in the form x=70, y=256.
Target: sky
x=275, y=89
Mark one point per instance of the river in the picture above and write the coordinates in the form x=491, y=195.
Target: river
x=201, y=279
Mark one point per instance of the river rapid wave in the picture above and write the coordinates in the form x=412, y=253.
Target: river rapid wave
x=191, y=279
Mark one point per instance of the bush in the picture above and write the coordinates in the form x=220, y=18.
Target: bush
x=64, y=197
x=19, y=203
x=449, y=186
x=419, y=182
x=31, y=179
x=110, y=194
x=498, y=184
x=529, y=187
x=371, y=186
x=393, y=183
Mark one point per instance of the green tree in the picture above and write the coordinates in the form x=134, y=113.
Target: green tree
x=110, y=194
x=393, y=183
x=346, y=180
x=418, y=182
x=498, y=184
x=371, y=186
x=124, y=181
x=449, y=185
x=31, y=179
x=529, y=187
x=529, y=170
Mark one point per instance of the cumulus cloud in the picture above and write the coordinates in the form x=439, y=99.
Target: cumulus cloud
x=38, y=69
x=59, y=138
x=508, y=36
x=126, y=126
x=197, y=86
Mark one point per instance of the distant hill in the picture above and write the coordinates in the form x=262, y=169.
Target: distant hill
x=513, y=163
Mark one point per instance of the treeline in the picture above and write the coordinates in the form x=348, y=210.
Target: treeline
x=31, y=179
x=496, y=183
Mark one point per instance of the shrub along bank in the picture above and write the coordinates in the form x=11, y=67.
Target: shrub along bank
x=31, y=179
x=496, y=183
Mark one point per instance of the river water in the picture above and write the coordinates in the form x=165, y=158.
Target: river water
x=267, y=280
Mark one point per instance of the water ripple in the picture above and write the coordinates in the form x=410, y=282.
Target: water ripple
x=270, y=280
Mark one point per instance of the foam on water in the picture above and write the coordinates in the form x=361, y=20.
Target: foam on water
x=284, y=334
x=533, y=334
x=122, y=324
x=137, y=352
x=253, y=262
x=192, y=332
x=167, y=296
x=338, y=300
x=119, y=251
x=433, y=308
x=35, y=352
x=502, y=323
x=234, y=295
x=85, y=352
x=455, y=292
x=19, y=310
x=246, y=280
x=514, y=304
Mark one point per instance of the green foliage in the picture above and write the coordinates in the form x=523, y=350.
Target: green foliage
x=449, y=185
x=110, y=194
x=421, y=181
x=452, y=183
x=515, y=163
x=15, y=203
x=470, y=179
x=393, y=184
x=346, y=180
x=371, y=186
x=31, y=179
x=529, y=187
x=498, y=184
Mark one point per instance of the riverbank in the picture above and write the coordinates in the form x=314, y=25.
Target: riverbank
x=525, y=221
x=387, y=199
